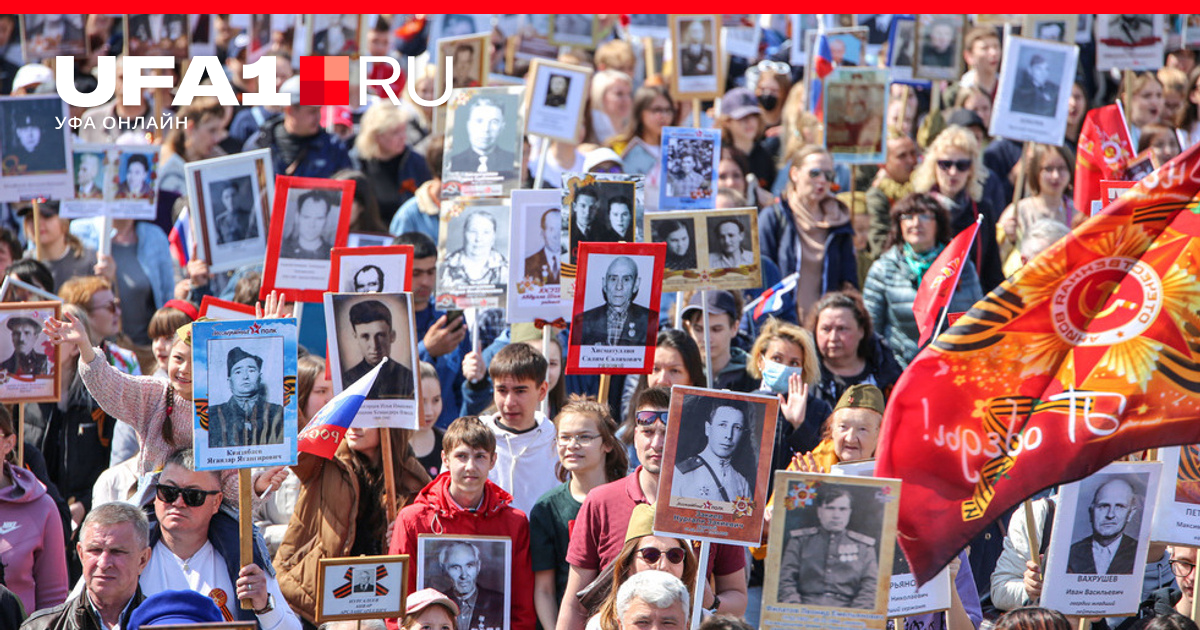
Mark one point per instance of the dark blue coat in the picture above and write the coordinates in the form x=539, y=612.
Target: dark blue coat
x=779, y=241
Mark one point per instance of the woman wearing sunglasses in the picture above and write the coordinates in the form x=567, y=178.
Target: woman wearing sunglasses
x=809, y=230
x=954, y=173
x=920, y=231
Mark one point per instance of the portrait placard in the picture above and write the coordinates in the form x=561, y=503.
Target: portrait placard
x=1035, y=90
x=362, y=330
x=855, y=126
x=228, y=202
x=939, y=38
x=1127, y=41
x=148, y=34
x=801, y=24
x=717, y=487
x=741, y=34
x=1191, y=31
x=1112, y=189
x=363, y=587
x=449, y=25
x=615, y=311
x=652, y=25
x=95, y=180
x=696, y=52
x=134, y=173
x=708, y=249
x=847, y=47
x=383, y=269
x=224, y=310
x=533, y=38
x=1097, y=554
x=1178, y=502
x=471, y=55
x=535, y=255
x=244, y=393
x=573, y=29
x=29, y=368
x=1059, y=27
x=555, y=98
x=472, y=265
x=464, y=568
x=45, y=36
x=879, y=29
x=814, y=515
x=597, y=210
x=689, y=168
x=902, y=50
x=35, y=152
x=483, y=145
x=311, y=216
x=905, y=598
x=335, y=34
x=202, y=40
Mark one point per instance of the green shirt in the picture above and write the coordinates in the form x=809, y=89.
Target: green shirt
x=550, y=523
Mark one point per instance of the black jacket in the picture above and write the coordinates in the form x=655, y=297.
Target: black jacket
x=76, y=443
x=76, y=614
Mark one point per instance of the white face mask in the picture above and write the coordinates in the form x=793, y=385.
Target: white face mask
x=776, y=375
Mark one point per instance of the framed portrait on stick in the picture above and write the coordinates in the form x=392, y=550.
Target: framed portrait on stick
x=471, y=55
x=474, y=569
x=815, y=513
x=535, y=255
x=902, y=50
x=573, y=29
x=472, y=267
x=364, y=330
x=134, y=174
x=229, y=200
x=1035, y=90
x=614, y=319
x=29, y=363
x=483, y=147
x=855, y=126
x=1050, y=27
x=689, y=168
x=45, y=36
x=245, y=393
x=1097, y=553
x=696, y=53
x=939, y=45
x=311, y=217
x=708, y=249
x=94, y=180
x=1130, y=41
x=555, y=98
x=604, y=208
x=1178, y=497
x=35, y=151
x=385, y=269
x=224, y=310
x=363, y=587
x=720, y=443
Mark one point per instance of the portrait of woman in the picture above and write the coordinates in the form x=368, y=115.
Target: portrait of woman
x=477, y=261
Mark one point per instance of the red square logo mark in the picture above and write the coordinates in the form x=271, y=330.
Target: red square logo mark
x=324, y=80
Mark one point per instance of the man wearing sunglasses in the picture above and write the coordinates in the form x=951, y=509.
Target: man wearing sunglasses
x=195, y=547
x=599, y=532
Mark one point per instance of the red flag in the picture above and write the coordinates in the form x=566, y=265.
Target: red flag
x=1088, y=353
x=1104, y=148
x=938, y=284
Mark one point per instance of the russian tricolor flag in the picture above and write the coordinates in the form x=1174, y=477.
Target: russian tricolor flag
x=822, y=66
x=771, y=300
x=325, y=432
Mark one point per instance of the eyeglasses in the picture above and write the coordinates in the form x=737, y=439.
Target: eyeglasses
x=961, y=165
x=666, y=111
x=111, y=307
x=647, y=417
x=1181, y=568
x=652, y=554
x=192, y=497
x=925, y=217
x=814, y=173
x=583, y=439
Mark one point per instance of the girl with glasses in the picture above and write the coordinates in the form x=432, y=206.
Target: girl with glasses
x=1048, y=176
x=920, y=231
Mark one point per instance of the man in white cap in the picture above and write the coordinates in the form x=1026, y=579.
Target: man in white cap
x=30, y=77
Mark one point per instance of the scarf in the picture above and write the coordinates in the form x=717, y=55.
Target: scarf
x=919, y=263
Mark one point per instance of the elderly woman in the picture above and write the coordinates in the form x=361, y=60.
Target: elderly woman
x=612, y=104
x=382, y=153
x=953, y=172
x=809, y=229
x=850, y=352
x=920, y=231
x=1048, y=175
x=477, y=261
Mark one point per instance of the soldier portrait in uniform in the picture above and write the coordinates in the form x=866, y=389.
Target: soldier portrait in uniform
x=248, y=417
x=25, y=358
x=1037, y=89
x=712, y=474
x=373, y=332
x=474, y=571
x=828, y=563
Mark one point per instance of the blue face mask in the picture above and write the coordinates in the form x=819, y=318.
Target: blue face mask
x=775, y=376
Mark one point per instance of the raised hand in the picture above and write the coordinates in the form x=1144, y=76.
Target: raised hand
x=795, y=403
x=70, y=331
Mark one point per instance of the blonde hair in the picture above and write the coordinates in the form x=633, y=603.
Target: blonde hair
x=952, y=137
x=380, y=117
x=603, y=80
x=1174, y=81
x=615, y=53
x=779, y=330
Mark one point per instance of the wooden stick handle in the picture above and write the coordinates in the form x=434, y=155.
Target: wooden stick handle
x=605, y=379
x=37, y=222
x=246, y=524
x=1034, y=543
x=21, y=434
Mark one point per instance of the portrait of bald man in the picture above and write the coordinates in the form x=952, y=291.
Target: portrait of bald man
x=1108, y=549
x=618, y=321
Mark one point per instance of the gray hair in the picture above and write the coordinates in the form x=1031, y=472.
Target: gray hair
x=656, y=588
x=455, y=544
x=1040, y=236
x=118, y=512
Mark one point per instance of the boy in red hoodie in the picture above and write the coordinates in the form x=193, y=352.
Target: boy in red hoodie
x=461, y=500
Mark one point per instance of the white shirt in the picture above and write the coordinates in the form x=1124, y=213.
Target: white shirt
x=525, y=462
x=205, y=572
x=1102, y=555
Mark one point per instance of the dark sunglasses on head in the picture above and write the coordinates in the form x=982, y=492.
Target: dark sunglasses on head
x=192, y=497
x=814, y=173
x=646, y=417
x=652, y=554
x=962, y=165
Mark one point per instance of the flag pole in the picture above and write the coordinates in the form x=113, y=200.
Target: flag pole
x=946, y=309
x=245, y=525
x=701, y=577
x=1034, y=543
x=708, y=368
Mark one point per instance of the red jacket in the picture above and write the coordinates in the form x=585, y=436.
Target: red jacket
x=434, y=512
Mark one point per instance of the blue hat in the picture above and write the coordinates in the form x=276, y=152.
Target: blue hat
x=174, y=607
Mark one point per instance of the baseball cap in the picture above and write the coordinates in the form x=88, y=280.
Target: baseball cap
x=596, y=157
x=427, y=597
x=739, y=103
x=32, y=74
x=45, y=208
x=966, y=118
x=336, y=115
x=237, y=47
x=718, y=302
x=169, y=607
x=861, y=396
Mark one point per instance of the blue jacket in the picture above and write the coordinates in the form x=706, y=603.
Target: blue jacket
x=322, y=156
x=779, y=241
x=153, y=252
x=449, y=365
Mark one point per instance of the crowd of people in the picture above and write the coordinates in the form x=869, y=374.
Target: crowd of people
x=105, y=521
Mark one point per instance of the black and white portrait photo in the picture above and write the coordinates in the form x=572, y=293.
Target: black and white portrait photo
x=376, y=328
x=27, y=358
x=1129, y=41
x=32, y=143
x=1051, y=28
x=690, y=168
x=483, y=142
x=243, y=410
x=680, y=236
x=601, y=210
x=335, y=34
x=230, y=198
x=696, y=55
x=939, y=46
x=902, y=44
x=1106, y=542
x=716, y=460
x=50, y=35
x=28, y=363
x=310, y=226
x=153, y=34
x=469, y=60
x=1037, y=88
x=557, y=98
x=136, y=172
x=473, y=258
x=310, y=217
x=535, y=254
x=377, y=270
x=728, y=242
x=556, y=91
x=616, y=304
x=89, y=174
x=696, y=50
x=1130, y=29
x=458, y=24
x=1034, y=90
x=542, y=266
x=474, y=571
x=571, y=29
x=233, y=210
